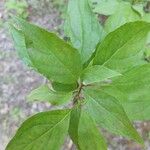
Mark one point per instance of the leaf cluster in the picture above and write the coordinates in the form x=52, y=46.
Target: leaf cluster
x=103, y=75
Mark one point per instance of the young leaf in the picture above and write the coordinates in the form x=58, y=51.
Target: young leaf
x=43, y=93
x=123, y=14
x=84, y=132
x=98, y=73
x=50, y=55
x=109, y=114
x=123, y=49
x=44, y=130
x=133, y=91
x=82, y=27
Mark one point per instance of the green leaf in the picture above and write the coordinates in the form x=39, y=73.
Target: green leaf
x=64, y=87
x=74, y=125
x=50, y=55
x=106, y=7
x=109, y=114
x=122, y=15
x=84, y=132
x=123, y=49
x=97, y=73
x=133, y=91
x=44, y=93
x=44, y=130
x=146, y=18
x=83, y=28
x=20, y=45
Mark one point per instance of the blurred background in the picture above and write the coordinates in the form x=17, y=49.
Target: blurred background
x=16, y=80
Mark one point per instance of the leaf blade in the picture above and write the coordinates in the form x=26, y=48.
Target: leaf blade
x=59, y=87
x=86, y=136
x=50, y=55
x=40, y=130
x=20, y=45
x=44, y=93
x=113, y=117
x=132, y=90
x=122, y=55
x=97, y=73
x=106, y=7
x=123, y=14
x=81, y=19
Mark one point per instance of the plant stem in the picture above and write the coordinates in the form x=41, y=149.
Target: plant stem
x=77, y=95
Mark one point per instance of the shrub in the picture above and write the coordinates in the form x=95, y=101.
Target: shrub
x=104, y=75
